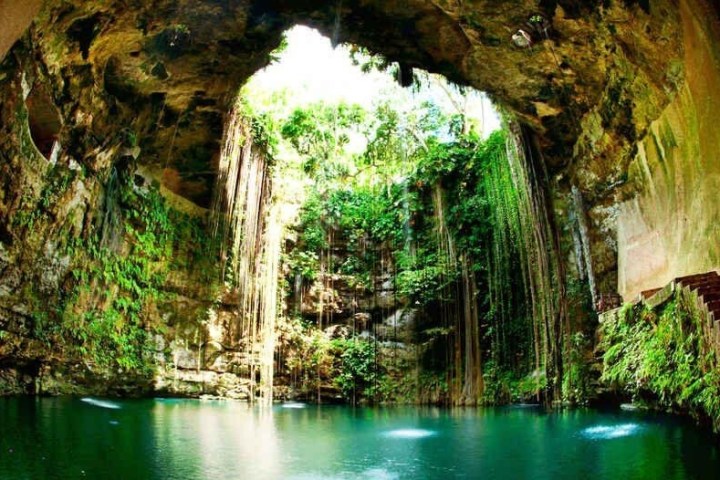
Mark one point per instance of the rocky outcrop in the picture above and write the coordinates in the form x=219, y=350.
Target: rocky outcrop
x=589, y=81
x=662, y=350
x=341, y=296
x=15, y=16
x=615, y=95
x=84, y=240
x=670, y=228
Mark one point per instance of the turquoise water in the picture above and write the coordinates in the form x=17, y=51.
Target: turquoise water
x=188, y=439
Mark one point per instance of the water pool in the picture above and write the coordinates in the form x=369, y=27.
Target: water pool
x=191, y=439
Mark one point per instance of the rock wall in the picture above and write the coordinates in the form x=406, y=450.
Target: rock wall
x=15, y=16
x=672, y=227
x=593, y=79
x=368, y=307
x=95, y=85
x=90, y=243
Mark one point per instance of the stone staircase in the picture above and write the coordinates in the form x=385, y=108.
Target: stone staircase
x=705, y=287
x=702, y=289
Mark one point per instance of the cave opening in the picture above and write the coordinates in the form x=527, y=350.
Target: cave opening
x=400, y=218
x=201, y=233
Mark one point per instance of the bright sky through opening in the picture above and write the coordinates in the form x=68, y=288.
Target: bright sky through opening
x=310, y=70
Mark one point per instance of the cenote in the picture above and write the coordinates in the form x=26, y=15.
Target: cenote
x=306, y=239
x=191, y=439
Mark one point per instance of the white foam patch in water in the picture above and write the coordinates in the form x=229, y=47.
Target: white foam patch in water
x=606, y=432
x=410, y=433
x=100, y=403
x=293, y=405
x=370, y=474
x=379, y=474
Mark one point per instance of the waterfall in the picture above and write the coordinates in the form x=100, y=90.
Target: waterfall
x=525, y=277
x=250, y=230
x=408, y=245
x=445, y=240
x=448, y=298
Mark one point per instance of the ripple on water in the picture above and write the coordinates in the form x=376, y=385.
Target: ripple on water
x=409, y=433
x=605, y=432
x=523, y=405
x=100, y=403
x=293, y=405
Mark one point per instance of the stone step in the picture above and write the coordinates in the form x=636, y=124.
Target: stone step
x=709, y=278
x=710, y=283
x=708, y=289
x=713, y=307
x=660, y=297
x=698, y=277
x=710, y=296
x=707, y=295
x=702, y=288
x=649, y=293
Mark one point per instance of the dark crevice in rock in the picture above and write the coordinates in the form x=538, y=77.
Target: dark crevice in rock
x=117, y=84
x=43, y=119
x=644, y=4
x=577, y=9
x=173, y=42
x=160, y=71
x=84, y=31
x=169, y=118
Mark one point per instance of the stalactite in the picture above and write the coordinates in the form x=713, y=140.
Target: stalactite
x=582, y=233
x=577, y=244
x=112, y=226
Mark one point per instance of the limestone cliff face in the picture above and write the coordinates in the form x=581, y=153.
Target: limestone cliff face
x=93, y=247
x=597, y=74
x=15, y=16
x=167, y=69
x=672, y=227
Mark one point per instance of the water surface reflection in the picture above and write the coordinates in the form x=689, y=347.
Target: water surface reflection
x=187, y=439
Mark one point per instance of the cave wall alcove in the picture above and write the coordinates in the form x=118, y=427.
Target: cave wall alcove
x=618, y=97
x=43, y=121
